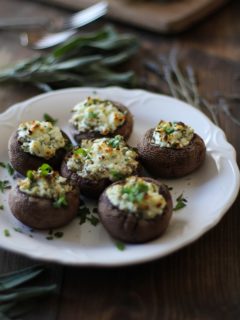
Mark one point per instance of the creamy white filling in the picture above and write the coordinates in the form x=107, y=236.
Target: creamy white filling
x=40, y=138
x=51, y=186
x=97, y=115
x=104, y=158
x=137, y=196
x=172, y=134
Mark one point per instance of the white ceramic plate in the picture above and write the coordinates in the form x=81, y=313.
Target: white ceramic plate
x=210, y=191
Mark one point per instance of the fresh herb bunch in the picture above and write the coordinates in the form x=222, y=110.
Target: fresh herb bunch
x=89, y=59
x=181, y=83
x=12, y=298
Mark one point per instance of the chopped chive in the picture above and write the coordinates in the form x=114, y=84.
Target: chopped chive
x=2, y=164
x=58, y=234
x=81, y=152
x=120, y=246
x=4, y=185
x=60, y=202
x=18, y=230
x=48, y=118
x=30, y=175
x=6, y=233
x=181, y=202
x=10, y=169
x=49, y=238
x=93, y=220
x=45, y=169
x=1, y=207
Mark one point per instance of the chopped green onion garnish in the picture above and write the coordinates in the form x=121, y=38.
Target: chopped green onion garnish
x=60, y=202
x=45, y=169
x=48, y=118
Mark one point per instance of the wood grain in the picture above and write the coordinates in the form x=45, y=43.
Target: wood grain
x=165, y=17
x=199, y=282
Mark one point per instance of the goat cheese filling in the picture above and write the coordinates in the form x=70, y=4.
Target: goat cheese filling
x=137, y=196
x=40, y=138
x=45, y=183
x=172, y=134
x=97, y=115
x=102, y=158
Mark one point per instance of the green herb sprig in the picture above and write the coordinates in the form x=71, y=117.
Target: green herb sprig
x=8, y=167
x=12, y=298
x=89, y=59
x=45, y=169
x=4, y=185
x=48, y=118
x=85, y=214
x=120, y=246
x=60, y=202
x=181, y=202
x=182, y=83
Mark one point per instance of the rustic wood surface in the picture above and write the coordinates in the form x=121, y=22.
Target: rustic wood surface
x=201, y=281
x=166, y=16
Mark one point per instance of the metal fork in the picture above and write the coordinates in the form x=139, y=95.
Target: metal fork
x=76, y=21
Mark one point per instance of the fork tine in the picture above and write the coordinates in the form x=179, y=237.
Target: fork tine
x=87, y=15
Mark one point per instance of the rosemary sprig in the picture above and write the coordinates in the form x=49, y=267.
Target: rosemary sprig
x=182, y=83
x=88, y=59
x=11, y=296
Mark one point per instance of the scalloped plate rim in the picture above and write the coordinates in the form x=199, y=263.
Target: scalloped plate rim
x=203, y=230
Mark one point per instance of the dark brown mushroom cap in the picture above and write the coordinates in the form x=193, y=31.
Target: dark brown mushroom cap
x=39, y=213
x=24, y=161
x=171, y=162
x=89, y=187
x=124, y=130
x=127, y=226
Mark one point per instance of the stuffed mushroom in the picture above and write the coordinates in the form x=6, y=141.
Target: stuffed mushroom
x=98, y=163
x=171, y=150
x=44, y=199
x=37, y=142
x=136, y=210
x=95, y=118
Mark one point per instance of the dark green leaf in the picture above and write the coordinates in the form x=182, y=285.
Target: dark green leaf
x=81, y=152
x=2, y=164
x=45, y=169
x=60, y=202
x=16, y=278
x=27, y=293
x=4, y=185
x=6, y=232
x=10, y=169
x=1, y=207
x=114, y=142
x=82, y=60
x=93, y=220
x=116, y=175
x=58, y=234
x=120, y=246
x=181, y=203
x=18, y=230
x=30, y=175
x=47, y=117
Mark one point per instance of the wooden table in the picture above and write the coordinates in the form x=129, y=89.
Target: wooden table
x=201, y=281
